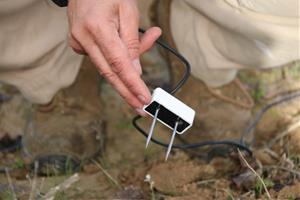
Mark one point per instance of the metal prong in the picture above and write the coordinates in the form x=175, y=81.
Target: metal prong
x=152, y=127
x=172, y=140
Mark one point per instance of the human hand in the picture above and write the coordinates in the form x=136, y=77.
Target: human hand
x=107, y=31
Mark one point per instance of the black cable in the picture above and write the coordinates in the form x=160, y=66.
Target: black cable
x=194, y=145
x=252, y=125
x=187, y=65
x=240, y=144
x=173, y=91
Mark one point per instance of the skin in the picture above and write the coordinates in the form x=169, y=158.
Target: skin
x=107, y=31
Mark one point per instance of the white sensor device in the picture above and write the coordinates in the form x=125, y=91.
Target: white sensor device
x=171, y=112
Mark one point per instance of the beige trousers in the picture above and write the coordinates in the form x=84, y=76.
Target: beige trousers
x=217, y=36
x=34, y=54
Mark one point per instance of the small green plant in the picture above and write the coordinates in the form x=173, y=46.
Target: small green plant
x=291, y=197
x=259, y=186
x=258, y=93
x=69, y=167
x=19, y=164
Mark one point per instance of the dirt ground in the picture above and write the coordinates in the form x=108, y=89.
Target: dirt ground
x=128, y=171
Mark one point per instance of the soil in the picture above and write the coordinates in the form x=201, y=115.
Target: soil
x=129, y=171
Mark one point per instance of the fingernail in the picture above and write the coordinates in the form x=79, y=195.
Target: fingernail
x=142, y=99
x=137, y=66
x=140, y=111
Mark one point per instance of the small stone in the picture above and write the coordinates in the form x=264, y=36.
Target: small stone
x=90, y=168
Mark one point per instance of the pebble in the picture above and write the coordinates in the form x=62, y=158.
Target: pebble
x=90, y=168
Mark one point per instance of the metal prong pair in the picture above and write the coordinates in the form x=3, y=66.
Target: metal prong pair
x=152, y=129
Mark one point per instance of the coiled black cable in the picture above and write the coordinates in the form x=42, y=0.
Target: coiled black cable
x=187, y=65
x=173, y=91
x=238, y=144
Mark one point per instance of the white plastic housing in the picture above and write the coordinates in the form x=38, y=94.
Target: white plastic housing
x=170, y=109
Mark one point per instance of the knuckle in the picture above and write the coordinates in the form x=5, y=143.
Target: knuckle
x=109, y=76
x=74, y=33
x=130, y=86
x=96, y=26
x=71, y=43
x=75, y=45
x=130, y=82
x=91, y=25
x=125, y=96
x=116, y=64
x=133, y=45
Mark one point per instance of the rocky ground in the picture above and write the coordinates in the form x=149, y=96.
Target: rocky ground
x=128, y=171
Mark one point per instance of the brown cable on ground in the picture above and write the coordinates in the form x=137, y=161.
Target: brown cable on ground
x=227, y=99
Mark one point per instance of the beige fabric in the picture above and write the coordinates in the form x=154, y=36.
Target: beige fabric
x=217, y=36
x=221, y=36
x=34, y=55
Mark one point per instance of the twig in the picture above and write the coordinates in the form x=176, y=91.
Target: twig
x=272, y=153
x=291, y=128
x=32, y=195
x=204, y=182
x=256, y=174
x=295, y=172
x=61, y=187
x=247, y=194
x=39, y=189
x=227, y=99
x=10, y=184
x=228, y=193
x=106, y=173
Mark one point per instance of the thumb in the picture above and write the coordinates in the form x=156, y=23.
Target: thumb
x=148, y=38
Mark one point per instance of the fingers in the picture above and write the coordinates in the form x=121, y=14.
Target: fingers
x=108, y=32
x=148, y=38
x=117, y=56
x=105, y=70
